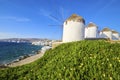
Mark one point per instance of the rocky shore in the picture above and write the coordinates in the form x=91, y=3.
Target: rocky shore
x=27, y=58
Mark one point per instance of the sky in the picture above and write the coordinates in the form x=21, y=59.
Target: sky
x=44, y=18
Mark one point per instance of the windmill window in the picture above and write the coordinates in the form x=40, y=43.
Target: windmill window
x=66, y=22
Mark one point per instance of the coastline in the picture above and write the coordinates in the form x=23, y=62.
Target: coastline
x=26, y=60
x=29, y=59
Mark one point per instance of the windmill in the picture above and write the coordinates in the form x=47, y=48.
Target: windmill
x=73, y=28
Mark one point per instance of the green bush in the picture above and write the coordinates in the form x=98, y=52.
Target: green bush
x=82, y=60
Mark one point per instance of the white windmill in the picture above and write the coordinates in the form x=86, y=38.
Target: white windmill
x=91, y=31
x=73, y=29
x=106, y=33
x=115, y=35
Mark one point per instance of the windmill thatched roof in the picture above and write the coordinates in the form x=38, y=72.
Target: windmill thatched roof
x=75, y=17
x=91, y=24
x=114, y=31
x=106, y=29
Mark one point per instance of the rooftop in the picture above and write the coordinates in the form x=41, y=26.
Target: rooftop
x=76, y=17
x=91, y=24
x=106, y=29
x=114, y=31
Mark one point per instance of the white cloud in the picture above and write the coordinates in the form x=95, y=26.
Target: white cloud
x=4, y=35
x=18, y=19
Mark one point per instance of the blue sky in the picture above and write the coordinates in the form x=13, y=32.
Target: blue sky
x=32, y=18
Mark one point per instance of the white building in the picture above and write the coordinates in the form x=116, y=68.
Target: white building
x=73, y=29
x=91, y=31
x=115, y=35
x=106, y=33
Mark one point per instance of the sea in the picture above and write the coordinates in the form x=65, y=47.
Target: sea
x=11, y=51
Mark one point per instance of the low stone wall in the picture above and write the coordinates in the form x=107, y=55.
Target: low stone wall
x=55, y=44
x=114, y=41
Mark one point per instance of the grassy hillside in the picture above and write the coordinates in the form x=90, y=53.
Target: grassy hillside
x=83, y=60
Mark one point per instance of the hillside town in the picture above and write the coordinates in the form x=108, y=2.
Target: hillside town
x=33, y=41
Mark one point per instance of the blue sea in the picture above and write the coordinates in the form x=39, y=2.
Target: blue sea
x=10, y=51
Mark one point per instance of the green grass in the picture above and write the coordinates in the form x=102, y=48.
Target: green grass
x=82, y=60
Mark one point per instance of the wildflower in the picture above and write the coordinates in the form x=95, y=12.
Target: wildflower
x=111, y=78
x=84, y=57
x=94, y=56
x=81, y=64
x=119, y=60
x=48, y=75
x=110, y=65
x=104, y=75
x=71, y=69
x=90, y=57
x=115, y=58
x=59, y=74
x=102, y=62
x=90, y=54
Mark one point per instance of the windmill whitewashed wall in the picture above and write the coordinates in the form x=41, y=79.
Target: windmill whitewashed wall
x=91, y=31
x=86, y=32
x=115, y=35
x=73, y=28
x=106, y=33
